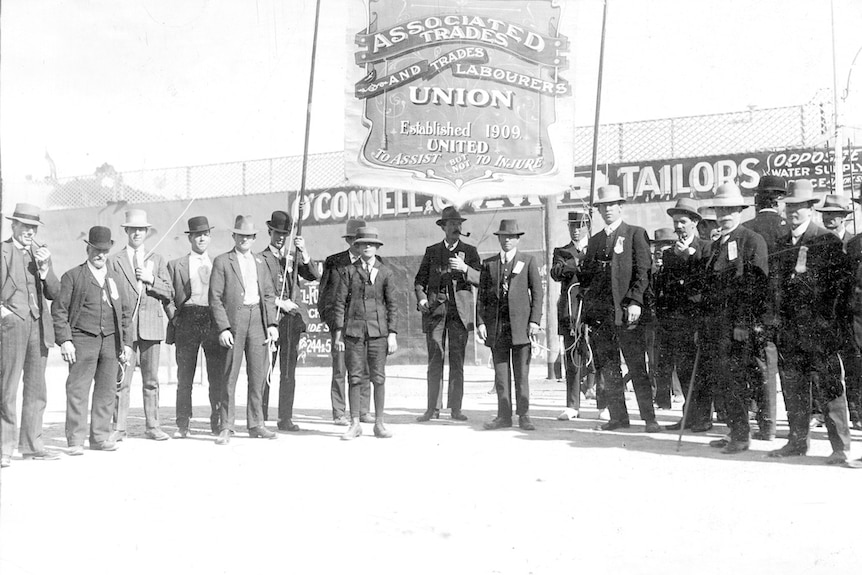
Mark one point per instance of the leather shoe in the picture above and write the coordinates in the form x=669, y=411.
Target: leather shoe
x=498, y=423
x=734, y=446
x=181, y=433
x=42, y=455
x=855, y=464
x=117, y=435
x=286, y=425
x=701, y=427
x=719, y=442
x=763, y=436
x=262, y=433
x=653, y=427
x=5, y=461
x=427, y=416
x=75, y=450
x=354, y=431
x=368, y=418
x=341, y=420
x=223, y=437
x=857, y=424
x=525, y=423
x=457, y=415
x=789, y=450
x=614, y=424
x=381, y=432
x=677, y=426
x=104, y=446
x=836, y=458
x=156, y=434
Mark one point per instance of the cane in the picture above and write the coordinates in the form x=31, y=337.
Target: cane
x=688, y=397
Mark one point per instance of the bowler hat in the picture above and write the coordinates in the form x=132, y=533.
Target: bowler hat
x=199, y=224
x=280, y=222
x=136, y=219
x=665, y=235
x=352, y=226
x=836, y=203
x=728, y=195
x=450, y=213
x=771, y=184
x=26, y=214
x=509, y=228
x=578, y=218
x=100, y=238
x=685, y=206
x=244, y=226
x=610, y=194
x=800, y=192
x=366, y=235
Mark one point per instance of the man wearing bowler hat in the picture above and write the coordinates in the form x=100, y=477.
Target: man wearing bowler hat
x=334, y=270
x=812, y=279
x=27, y=282
x=242, y=304
x=615, y=277
x=444, y=296
x=508, y=316
x=564, y=269
x=93, y=325
x=144, y=277
x=734, y=302
x=291, y=312
x=191, y=327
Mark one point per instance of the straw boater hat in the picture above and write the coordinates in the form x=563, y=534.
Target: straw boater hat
x=665, y=236
x=771, y=185
x=728, y=195
x=687, y=207
x=244, y=226
x=509, y=228
x=800, y=192
x=366, y=235
x=280, y=222
x=578, y=218
x=450, y=213
x=100, y=238
x=834, y=203
x=199, y=224
x=136, y=219
x=352, y=226
x=610, y=194
x=26, y=214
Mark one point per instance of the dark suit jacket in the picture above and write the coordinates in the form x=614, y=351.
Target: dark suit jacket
x=564, y=269
x=306, y=271
x=770, y=225
x=11, y=280
x=227, y=291
x=362, y=308
x=525, y=297
x=678, y=283
x=149, y=323
x=629, y=269
x=433, y=278
x=67, y=307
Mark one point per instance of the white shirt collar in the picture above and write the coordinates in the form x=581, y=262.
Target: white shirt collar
x=275, y=250
x=508, y=256
x=99, y=274
x=725, y=234
x=799, y=230
x=613, y=227
x=196, y=256
x=18, y=244
x=353, y=257
x=453, y=246
x=688, y=242
x=370, y=262
x=582, y=244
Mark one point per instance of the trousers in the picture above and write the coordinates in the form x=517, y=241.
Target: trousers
x=146, y=354
x=97, y=364
x=249, y=339
x=22, y=353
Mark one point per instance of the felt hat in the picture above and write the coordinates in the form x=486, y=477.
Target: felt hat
x=244, y=225
x=352, y=226
x=578, y=218
x=509, y=228
x=835, y=203
x=770, y=184
x=728, y=195
x=198, y=224
x=609, y=194
x=685, y=206
x=366, y=235
x=280, y=222
x=800, y=192
x=665, y=235
x=450, y=213
x=100, y=238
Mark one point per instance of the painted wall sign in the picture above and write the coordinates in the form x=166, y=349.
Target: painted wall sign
x=458, y=98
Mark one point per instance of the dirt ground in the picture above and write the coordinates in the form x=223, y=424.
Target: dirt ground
x=441, y=496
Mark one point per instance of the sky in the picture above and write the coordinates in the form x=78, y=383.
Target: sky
x=158, y=83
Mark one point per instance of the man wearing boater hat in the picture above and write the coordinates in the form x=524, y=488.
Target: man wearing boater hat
x=444, y=295
x=191, y=327
x=27, y=282
x=292, y=312
x=242, y=304
x=508, y=316
x=334, y=269
x=734, y=302
x=615, y=277
x=144, y=277
x=564, y=269
x=813, y=278
x=93, y=325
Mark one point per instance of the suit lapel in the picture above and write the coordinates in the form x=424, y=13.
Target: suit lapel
x=183, y=268
x=11, y=269
x=234, y=264
x=126, y=266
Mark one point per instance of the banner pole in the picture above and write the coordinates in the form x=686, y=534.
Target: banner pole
x=593, y=168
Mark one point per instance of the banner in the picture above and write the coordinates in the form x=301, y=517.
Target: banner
x=665, y=180
x=458, y=98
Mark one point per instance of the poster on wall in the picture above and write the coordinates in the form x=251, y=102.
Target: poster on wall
x=457, y=98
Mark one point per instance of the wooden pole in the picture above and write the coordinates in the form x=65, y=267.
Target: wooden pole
x=594, y=166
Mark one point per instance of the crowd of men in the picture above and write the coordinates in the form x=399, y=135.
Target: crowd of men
x=728, y=307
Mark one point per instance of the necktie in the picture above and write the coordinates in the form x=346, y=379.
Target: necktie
x=139, y=263
x=609, y=244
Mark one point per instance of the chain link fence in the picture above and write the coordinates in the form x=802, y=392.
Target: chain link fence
x=807, y=125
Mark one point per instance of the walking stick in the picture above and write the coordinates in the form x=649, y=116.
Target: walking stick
x=688, y=397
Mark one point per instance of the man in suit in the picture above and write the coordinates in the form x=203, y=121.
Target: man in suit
x=366, y=327
x=27, y=282
x=144, y=277
x=813, y=277
x=853, y=325
x=508, y=314
x=615, y=276
x=93, y=325
x=564, y=269
x=191, y=327
x=677, y=289
x=444, y=296
x=242, y=304
x=291, y=312
x=334, y=270
x=735, y=298
x=771, y=226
